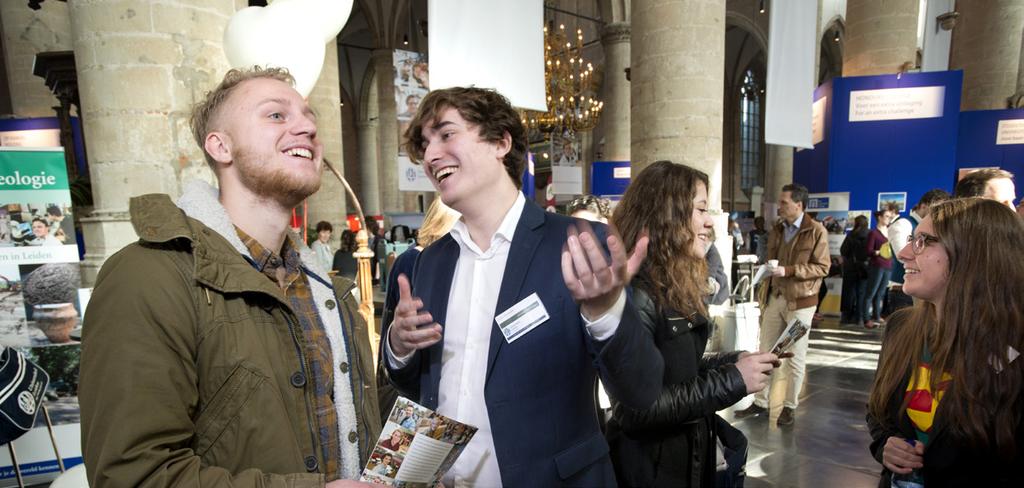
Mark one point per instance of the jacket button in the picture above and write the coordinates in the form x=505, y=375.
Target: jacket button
x=352, y=437
x=329, y=304
x=311, y=463
x=675, y=328
x=299, y=380
x=343, y=367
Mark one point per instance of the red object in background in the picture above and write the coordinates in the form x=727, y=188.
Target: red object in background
x=295, y=219
x=354, y=225
x=305, y=221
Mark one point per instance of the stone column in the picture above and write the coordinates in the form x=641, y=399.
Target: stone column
x=779, y=172
x=1017, y=100
x=325, y=99
x=615, y=119
x=26, y=33
x=987, y=46
x=880, y=36
x=141, y=66
x=387, y=130
x=676, y=89
x=370, y=199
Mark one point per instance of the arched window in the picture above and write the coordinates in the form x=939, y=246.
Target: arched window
x=750, y=133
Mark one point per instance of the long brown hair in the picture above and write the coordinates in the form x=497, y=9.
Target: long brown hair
x=659, y=202
x=982, y=315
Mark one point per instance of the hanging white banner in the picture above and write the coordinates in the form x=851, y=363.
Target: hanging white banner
x=790, y=83
x=489, y=44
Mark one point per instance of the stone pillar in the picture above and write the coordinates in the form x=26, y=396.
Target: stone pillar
x=880, y=36
x=26, y=33
x=387, y=130
x=370, y=199
x=141, y=66
x=1017, y=100
x=325, y=99
x=987, y=46
x=676, y=89
x=779, y=172
x=615, y=119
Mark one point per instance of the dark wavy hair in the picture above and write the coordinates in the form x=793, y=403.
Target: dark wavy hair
x=487, y=110
x=979, y=319
x=659, y=202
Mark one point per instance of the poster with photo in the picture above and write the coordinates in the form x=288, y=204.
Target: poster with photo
x=411, y=85
x=899, y=198
x=40, y=297
x=416, y=447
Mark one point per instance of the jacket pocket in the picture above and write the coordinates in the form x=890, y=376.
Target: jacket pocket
x=574, y=459
x=225, y=406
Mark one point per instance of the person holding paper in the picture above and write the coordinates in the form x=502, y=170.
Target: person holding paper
x=219, y=352
x=799, y=247
x=531, y=306
x=672, y=443
x=947, y=403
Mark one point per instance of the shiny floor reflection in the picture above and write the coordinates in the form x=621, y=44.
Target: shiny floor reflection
x=828, y=444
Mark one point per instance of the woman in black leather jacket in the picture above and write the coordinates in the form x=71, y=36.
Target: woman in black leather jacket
x=673, y=442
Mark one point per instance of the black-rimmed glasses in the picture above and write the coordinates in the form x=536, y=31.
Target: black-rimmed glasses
x=920, y=241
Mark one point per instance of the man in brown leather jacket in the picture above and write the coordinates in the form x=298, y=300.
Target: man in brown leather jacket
x=219, y=352
x=800, y=245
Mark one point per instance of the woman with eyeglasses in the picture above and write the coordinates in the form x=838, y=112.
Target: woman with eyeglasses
x=946, y=405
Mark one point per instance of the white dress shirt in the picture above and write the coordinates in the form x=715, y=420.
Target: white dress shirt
x=467, y=335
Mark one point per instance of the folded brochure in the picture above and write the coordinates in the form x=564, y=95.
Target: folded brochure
x=416, y=447
x=794, y=331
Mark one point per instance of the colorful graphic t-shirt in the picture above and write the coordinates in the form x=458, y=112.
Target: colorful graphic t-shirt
x=921, y=403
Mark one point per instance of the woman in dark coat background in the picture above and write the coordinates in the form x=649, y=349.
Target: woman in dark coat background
x=673, y=442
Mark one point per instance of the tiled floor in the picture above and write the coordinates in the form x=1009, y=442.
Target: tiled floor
x=828, y=444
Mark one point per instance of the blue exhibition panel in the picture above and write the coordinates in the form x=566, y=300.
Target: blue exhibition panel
x=977, y=147
x=886, y=153
x=609, y=178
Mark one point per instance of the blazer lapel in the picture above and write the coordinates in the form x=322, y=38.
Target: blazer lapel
x=440, y=288
x=524, y=243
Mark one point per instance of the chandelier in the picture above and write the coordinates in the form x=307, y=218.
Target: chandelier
x=569, y=87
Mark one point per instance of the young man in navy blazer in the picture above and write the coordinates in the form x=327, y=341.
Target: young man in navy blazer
x=525, y=380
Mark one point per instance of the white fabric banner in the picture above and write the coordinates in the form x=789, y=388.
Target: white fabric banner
x=935, y=52
x=790, y=84
x=489, y=44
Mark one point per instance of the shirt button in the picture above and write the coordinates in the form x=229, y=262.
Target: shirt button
x=298, y=380
x=343, y=367
x=352, y=437
x=311, y=463
x=329, y=304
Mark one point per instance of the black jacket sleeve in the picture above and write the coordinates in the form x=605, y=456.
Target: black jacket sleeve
x=717, y=385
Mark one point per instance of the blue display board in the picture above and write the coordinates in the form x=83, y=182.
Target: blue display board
x=609, y=179
x=976, y=146
x=879, y=150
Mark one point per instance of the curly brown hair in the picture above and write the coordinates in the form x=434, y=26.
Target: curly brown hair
x=206, y=110
x=485, y=109
x=659, y=202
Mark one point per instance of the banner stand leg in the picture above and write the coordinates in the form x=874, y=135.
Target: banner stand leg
x=14, y=461
x=53, y=440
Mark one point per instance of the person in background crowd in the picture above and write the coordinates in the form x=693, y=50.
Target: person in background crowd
x=899, y=231
x=992, y=183
x=946, y=405
x=527, y=385
x=589, y=207
x=216, y=355
x=321, y=246
x=673, y=443
x=737, y=236
x=718, y=283
x=758, y=239
x=855, y=270
x=879, y=267
x=378, y=246
x=344, y=262
x=800, y=244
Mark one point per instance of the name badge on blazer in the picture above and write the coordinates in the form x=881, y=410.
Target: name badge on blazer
x=521, y=318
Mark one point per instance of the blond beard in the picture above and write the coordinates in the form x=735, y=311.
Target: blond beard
x=279, y=185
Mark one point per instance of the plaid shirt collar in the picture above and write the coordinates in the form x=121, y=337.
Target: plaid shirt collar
x=268, y=262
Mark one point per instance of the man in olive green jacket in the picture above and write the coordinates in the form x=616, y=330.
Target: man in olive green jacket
x=218, y=352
